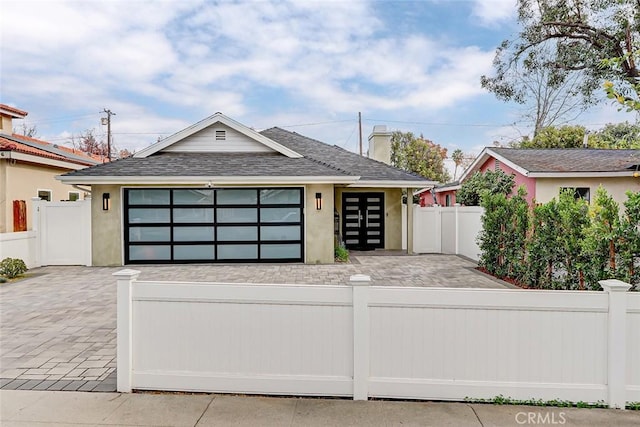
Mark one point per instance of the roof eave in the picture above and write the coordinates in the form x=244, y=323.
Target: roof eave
x=601, y=174
x=393, y=183
x=206, y=180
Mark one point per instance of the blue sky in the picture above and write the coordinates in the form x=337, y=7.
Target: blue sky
x=308, y=66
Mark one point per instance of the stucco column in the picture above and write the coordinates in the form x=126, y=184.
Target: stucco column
x=409, y=220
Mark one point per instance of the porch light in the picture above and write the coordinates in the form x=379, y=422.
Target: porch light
x=318, y=201
x=106, y=203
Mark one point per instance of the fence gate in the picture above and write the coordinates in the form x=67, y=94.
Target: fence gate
x=427, y=230
x=64, y=232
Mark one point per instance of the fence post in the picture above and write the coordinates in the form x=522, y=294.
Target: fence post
x=360, y=284
x=35, y=226
x=124, y=356
x=617, y=344
x=456, y=224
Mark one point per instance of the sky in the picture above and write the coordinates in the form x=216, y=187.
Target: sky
x=306, y=66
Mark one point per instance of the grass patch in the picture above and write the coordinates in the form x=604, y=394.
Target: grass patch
x=501, y=400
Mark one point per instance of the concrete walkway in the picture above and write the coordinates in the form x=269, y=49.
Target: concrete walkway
x=57, y=328
x=37, y=408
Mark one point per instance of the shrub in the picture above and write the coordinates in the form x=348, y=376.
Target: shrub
x=341, y=253
x=12, y=267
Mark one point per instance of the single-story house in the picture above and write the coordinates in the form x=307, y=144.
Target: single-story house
x=28, y=167
x=219, y=191
x=545, y=172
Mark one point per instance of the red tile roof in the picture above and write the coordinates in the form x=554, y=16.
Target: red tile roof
x=13, y=143
x=14, y=112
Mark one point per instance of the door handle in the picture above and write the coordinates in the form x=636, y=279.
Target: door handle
x=359, y=218
x=366, y=218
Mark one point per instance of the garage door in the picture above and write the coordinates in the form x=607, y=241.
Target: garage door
x=181, y=225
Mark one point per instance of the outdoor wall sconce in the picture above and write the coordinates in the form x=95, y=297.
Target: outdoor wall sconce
x=106, y=202
x=318, y=201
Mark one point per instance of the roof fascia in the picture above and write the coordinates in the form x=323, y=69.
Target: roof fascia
x=581, y=174
x=392, y=184
x=45, y=161
x=207, y=180
x=209, y=121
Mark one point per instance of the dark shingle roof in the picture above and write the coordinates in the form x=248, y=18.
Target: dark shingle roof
x=319, y=159
x=211, y=164
x=572, y=159
x=339, y=158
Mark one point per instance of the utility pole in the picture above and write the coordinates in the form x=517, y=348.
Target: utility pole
x=109, y=114
x=360, y=129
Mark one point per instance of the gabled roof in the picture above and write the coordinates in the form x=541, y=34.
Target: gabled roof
x=35, y=148
x=557, y=162
x=293, y=158
x=210, y=121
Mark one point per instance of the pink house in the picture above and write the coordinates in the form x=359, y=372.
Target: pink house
x=546, y=172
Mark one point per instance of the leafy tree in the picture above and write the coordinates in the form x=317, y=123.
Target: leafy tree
x=582, y=35
x=630, y=239
x=419, y=156
x=542, y=249
x=617, y=135
x=555, y=137
x=495, y=182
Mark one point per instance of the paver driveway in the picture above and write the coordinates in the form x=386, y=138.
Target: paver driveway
x=57, y=328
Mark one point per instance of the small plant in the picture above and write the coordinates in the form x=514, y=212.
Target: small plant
x=341, y=253
x=12, y=267
x=3, y=279
x=501, y=400
x=634, y=406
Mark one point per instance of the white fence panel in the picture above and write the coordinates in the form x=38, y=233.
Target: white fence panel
x=469, y=228
x=449, y=230
x=449, y=344
x=265, y=339
x=633, y=347
x=448, y=224
x=426, y=230
x=64, y=230
x=21, y=245
x=394, y=342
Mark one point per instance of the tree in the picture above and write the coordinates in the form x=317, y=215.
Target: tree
x=581, y=35
x=419, y=156
x=617, y=135
x=458, y=157
x=30, y=131
x=493, y=182
x=554, y=137
x=88, y=143
x=551, y=96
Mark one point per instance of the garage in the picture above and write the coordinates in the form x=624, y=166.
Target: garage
x=182, y=225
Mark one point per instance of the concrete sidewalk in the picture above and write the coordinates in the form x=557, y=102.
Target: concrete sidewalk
x=48, y=408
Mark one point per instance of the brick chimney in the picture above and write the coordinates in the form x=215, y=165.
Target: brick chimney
x=380, y=144
x=7, y=114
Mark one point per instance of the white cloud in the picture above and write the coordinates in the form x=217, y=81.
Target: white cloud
x=492, y=12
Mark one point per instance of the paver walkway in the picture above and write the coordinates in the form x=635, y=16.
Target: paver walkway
x=58, y=328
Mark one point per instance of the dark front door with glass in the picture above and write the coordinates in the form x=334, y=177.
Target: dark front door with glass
x=363, y=220
x=180, y=225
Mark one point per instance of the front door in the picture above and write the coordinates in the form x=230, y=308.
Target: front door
x=363, y=220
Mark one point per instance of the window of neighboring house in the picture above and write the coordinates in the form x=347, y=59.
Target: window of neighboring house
x=73, y=196
x=44, y=195
x=447, y=200
x=579, y=192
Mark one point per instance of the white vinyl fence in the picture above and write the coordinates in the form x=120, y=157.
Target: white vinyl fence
x=61, y=235
x=369, y=341
x=447, y=230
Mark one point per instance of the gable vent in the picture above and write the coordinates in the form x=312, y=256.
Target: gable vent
x=497, y=164
x=221, y=135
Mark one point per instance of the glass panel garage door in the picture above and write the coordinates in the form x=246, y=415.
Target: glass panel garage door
x=181, y=225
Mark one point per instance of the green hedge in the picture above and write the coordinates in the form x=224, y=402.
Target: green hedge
x=562, y=244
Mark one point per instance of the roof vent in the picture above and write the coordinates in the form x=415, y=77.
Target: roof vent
x=221, y=135
x=55, y=145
